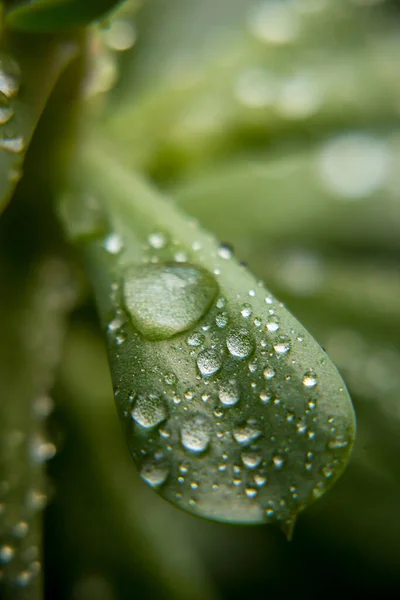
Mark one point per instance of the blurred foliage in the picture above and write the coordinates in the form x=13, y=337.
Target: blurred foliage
x=281, y=139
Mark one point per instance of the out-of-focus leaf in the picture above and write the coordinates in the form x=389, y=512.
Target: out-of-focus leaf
x=250, y=87
x=29, y=68
x=32, y=323
x=342, y=190
x=53, y=15
x=231, y=409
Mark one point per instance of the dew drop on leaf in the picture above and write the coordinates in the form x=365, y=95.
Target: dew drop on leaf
x=149, y=411
x=164, y=300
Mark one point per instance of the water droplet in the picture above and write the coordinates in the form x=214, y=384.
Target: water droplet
x=6, y=111
x=251, y=492
x=278, y=461
x=282, y=346
x=273, y=324
x=155, y=473
x=9, y=76
x=195, y=339
x=222, y=320
x=354, y=165
x=195, y=434
x=310, y=379
x=246, y=434
x=246, y=310
x=164, y=300
x=265, y=397
x=240, y=344
x=6, y=554
x=15, y=145
x=228, y=393
x=121, y=35
x=149, y=411
x=41, y=450
x=274, y=22
x=259, y=480
x=113, y=243
x=157, y=240
x=269, y=373
x=225, y=251
x=21, y=529
x=339, y=442
x=327, y=472
x=209, y=362
x=251, y=460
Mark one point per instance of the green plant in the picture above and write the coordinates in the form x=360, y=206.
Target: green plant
x=277, y=136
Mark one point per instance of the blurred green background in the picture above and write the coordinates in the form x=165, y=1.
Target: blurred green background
x=276, y=125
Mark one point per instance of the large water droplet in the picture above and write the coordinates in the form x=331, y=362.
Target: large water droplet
x=195, y=434
x=164, y=300
x=240, y=344
x=149, y=411
x=209, y=362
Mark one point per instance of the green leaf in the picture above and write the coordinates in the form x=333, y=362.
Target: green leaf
x=32, y=334
x=28, y=71
x=53, y=15
x=230, y=408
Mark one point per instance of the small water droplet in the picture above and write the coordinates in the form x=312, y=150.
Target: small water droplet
x=273, y=324
x=259, y=480
x=6, y=111
x=120, y=35
x=195, y=434
x=228, y=393
x=157, y=240
x=15, y=145
x=327, y=472
x=269, y=373
x=113, y=243
x=149, y=411
x=9, y=76
x=278, y=461
x=282, y=346
x=339, y=442
x=222, y=320
x=209, y=362
x=251, y=459
x=164, y=300
x=246, y=310
x=310, y=379
x=246, y=434
x=154, y=472
x=240, y=344
x=195, y=339
x=225, y=251
x=251, y=492
x=6, y=554
x=274, y=22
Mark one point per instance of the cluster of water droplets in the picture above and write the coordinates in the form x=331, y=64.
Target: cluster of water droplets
x=10, y=140
x=221, y=416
